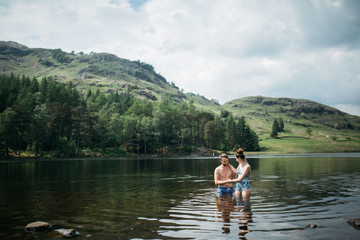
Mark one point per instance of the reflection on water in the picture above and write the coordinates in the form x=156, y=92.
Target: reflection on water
x=225, y=206
x=245, y=220
x=176, y=198
x=234, y=210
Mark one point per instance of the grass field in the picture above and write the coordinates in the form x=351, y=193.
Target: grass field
x=308, y=145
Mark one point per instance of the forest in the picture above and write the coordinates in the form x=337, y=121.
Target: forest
x=47, y=118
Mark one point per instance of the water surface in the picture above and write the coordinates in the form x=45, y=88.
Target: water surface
x=176, y=198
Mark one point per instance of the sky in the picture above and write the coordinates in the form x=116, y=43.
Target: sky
x=220, y=49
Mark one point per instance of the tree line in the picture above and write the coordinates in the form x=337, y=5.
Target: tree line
x=47, y=117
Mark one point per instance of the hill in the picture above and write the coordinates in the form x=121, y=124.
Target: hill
x=330, y=129
x=86, y=71
x=103, y=71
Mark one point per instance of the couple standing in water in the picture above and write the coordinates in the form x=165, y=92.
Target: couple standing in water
x=225, y=175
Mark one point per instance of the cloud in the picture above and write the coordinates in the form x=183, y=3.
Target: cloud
x=220, y=49
x=329, y=23
x=348, y=108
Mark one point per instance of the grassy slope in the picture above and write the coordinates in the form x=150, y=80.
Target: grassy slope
x=326, y=136
x=90, y=71
x=260, y=113
x=204, y=104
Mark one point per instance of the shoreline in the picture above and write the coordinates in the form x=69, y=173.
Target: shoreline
x=163, y=156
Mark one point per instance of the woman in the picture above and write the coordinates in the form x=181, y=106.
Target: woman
x=243, y=179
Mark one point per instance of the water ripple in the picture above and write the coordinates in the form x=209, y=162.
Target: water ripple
x=205, y=214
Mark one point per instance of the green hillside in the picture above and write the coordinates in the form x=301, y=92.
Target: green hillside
x=86, y=71
x=330, y=129
x=308, y=126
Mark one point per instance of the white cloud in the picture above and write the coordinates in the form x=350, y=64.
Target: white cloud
x=220, y=49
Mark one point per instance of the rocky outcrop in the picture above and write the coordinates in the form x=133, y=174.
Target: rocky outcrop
x=355, y=222
x=38, y=227
x=312, y=225
x=13, y=48
x=67, y=232
x=45, y=227
x=147, y=95
x=201, y=152
x=257, y=114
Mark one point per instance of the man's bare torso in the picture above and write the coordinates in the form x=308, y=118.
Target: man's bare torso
x=224, y=173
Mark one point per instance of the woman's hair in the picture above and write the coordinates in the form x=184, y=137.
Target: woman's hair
x=240, y=153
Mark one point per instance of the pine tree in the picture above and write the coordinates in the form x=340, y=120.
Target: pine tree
x=214, y=133
x=39, y=128
x=230, y=133
x=8, y=132
x=281, y=125
x=309, y=131
x=275, y=129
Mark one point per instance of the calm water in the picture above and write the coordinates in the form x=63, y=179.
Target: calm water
x=176, y=198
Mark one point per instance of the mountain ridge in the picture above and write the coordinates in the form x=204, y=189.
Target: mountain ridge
x=89, y=71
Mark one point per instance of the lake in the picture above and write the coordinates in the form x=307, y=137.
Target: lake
x=175, y=198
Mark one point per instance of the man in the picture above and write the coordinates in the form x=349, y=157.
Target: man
x=222, y=175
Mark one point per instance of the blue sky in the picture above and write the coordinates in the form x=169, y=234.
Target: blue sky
x=221, y=49
x=136, y=4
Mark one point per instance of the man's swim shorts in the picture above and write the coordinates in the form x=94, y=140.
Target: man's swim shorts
x=225, y=191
